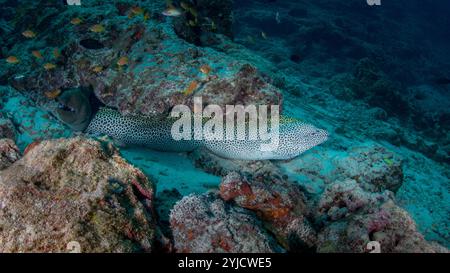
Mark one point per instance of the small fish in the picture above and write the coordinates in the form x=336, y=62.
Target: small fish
x=192, y=23
x=171, y=11
x=49, y=66
x=191, y=88
x=76, y=21
x=213, y=26
x=56, y=53
x=277, y=17
x=205, y=69
x=146, y=16
x=12, y=60
x=137, y=10
x=97, y=28
x=53, y=93
x=97, y=69
x=122, y=61
x=29, y=34
x=264, y=35
x=37, y=54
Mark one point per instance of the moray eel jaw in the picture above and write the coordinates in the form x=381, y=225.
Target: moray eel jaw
x=74, y=109
x=297, y=139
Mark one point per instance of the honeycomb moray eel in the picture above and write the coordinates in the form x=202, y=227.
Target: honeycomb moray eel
x=75, y=111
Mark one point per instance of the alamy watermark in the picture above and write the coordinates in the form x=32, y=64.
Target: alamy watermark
x=73, y=2
x=239, y=122
x=373, y=2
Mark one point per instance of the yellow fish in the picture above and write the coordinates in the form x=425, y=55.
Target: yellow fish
x=12, y=60
x=97, y=69
x=76, y=21
x=97, y=28
x=37, y=54
x=205, y=69
x=49, y=66
x=146, y=16
x=53, y=93
x=171, y=11
x=137, y=10
x=56, y=53
x=29, y=34
x=122, y=61
x=191, y=88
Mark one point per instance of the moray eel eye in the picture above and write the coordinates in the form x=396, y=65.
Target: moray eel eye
x=74, y=109
x=65, y=108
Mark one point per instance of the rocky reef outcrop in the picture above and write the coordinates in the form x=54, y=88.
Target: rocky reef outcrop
x=78, y=193
x=135, y=63
x=205, y=223
x=279, y=203
x=352, y=217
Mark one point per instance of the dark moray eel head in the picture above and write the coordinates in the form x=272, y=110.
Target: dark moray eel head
x=74, y=109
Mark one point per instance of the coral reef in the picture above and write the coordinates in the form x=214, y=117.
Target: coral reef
x=9, y=153
x=280, y=205
x=137, y=66
x=388, y=224
x=75, y=190
x=375, y=168
x=205, y=223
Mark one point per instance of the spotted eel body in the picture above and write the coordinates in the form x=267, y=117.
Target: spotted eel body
x=294, y=137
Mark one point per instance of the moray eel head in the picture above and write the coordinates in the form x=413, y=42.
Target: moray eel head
x=296, y=138
x=74, y=109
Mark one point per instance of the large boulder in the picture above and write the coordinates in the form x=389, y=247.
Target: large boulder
x=351, y=218
x=77, y=194
x=135, y=64
x=388, y=225
x=279, y=203
x=205, y=223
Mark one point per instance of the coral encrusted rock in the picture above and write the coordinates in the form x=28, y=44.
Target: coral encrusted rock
x=68, y=194
x=389, y=225
x=279, y=203
x=205, y=223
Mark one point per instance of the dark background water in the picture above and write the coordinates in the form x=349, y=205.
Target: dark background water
x=394, y=56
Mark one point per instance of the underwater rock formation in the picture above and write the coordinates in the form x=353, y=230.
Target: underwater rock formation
x=206, y=224
x=280, y=204
x=9, y=153
x=78, y=192
x=27, y=121
x=343, y=198
x=388, y=224
x=352, y=217
x=136, y=65
x=375, y=168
